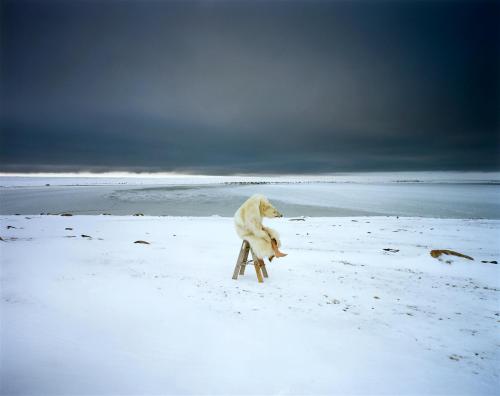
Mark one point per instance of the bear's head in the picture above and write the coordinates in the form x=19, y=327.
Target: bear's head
x=268, y=210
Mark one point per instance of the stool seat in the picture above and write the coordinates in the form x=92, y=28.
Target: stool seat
x=242, y=262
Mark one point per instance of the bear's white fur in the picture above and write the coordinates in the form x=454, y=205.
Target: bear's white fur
x=248, y=223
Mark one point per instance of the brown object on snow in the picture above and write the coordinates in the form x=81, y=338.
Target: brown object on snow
x=144, y=242
x=437, y=253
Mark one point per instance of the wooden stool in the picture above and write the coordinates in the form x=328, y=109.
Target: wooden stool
x=243, y=261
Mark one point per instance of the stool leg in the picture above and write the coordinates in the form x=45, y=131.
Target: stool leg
x=263, y=268
x=256, y=264
x=245, y=258
x=240, y=260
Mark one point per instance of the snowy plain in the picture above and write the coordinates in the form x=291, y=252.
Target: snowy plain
x=85, y=310
x=124, y=178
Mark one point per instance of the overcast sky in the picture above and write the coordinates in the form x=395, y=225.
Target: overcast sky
x=240, y=86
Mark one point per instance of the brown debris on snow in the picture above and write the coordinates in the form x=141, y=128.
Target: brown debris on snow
x=144, y=242
x=437, y=253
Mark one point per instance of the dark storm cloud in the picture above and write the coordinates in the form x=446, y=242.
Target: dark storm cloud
x=239, y=86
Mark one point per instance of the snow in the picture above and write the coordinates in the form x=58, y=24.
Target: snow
x=338, y=315
x=134, y=179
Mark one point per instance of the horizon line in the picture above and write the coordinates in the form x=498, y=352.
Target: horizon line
x=179, y=174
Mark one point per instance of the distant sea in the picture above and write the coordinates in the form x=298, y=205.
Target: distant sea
x=416, y=194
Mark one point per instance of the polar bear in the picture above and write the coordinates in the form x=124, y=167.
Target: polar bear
x=264, y=241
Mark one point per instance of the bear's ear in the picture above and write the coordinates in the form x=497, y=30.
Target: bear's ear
x=263, y=205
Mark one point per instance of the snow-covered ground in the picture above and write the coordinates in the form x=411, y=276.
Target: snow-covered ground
x=338, y=315
x=133, y=179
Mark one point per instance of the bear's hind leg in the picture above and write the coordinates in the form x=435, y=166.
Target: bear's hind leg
x=276, y=250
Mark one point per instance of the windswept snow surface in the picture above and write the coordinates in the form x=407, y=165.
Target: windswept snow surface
x=338, y=315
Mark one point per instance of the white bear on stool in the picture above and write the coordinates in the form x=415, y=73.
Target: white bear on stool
x=264, y=241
